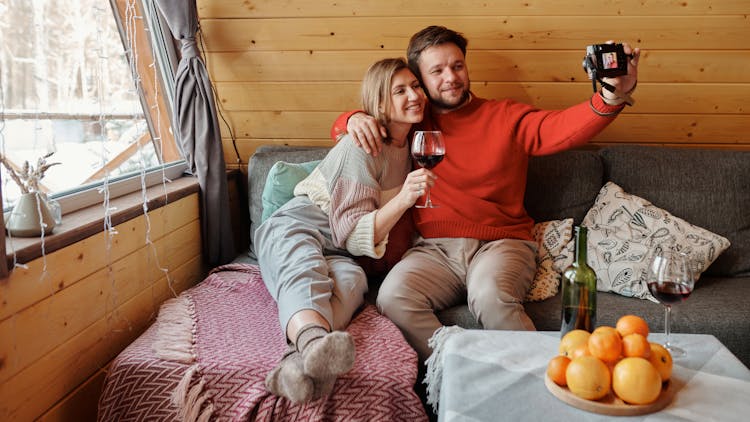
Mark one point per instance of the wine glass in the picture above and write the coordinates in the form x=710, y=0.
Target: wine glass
x=428, y=149
x=670, y=280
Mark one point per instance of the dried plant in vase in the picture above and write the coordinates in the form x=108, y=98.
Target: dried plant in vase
x=29, y=177
x=31, y=216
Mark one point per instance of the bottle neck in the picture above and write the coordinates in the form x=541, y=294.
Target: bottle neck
x=581, y=244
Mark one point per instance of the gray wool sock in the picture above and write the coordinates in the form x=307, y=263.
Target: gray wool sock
x=308, y=334
x=288, y=379
x=329, y=356
x=323, y=387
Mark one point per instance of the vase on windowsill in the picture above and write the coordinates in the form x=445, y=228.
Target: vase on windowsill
x=30, y=216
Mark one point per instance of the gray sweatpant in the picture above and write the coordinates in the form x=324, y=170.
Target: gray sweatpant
x=303, y=270
x=436, y=274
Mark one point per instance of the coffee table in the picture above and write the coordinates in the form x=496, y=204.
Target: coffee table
x=499, y=375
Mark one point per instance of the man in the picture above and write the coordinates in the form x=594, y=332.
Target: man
x=477, y=245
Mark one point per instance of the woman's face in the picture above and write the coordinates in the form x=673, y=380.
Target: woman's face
x=407, y=98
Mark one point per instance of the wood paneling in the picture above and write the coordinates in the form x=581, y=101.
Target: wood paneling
x=483, y=32
x=91, y=303
x=285, y=70
x=73, y=264
x=437, y=8
x=80, y=404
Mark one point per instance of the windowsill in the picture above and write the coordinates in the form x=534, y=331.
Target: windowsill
x=88, y=221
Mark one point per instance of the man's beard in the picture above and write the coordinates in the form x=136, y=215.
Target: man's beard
x=448, y=107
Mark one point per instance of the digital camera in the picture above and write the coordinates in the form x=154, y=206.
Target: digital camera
x=605, y=61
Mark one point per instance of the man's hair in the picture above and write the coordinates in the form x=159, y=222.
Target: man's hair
x=376, y=87
x=430, y=37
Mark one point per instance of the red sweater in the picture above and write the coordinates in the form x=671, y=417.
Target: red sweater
x=482, y=179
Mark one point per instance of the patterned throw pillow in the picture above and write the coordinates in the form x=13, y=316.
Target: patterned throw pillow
x=554, y=254
x=624, y=229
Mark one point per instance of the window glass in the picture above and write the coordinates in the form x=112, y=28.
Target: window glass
x=68, y=90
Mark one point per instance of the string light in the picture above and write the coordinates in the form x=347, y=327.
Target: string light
x=131, y=19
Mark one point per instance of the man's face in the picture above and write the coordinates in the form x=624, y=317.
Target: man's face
x=445, y=76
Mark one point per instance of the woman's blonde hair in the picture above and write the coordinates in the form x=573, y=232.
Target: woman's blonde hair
x=376, y=87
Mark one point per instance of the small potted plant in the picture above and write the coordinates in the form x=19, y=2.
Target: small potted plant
x=31, y=215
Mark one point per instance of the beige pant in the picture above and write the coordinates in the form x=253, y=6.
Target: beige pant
x=492, y=276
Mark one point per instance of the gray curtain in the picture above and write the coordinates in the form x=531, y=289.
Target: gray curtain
x=197, y=130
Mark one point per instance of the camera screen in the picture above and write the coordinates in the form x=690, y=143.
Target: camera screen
x=609, y=60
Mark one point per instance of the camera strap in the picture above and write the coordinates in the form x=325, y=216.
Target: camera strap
x=621, y=95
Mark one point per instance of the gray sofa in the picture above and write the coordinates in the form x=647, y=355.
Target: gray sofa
x=708, y=188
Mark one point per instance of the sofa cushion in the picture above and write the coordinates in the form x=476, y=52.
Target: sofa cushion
x=257, y=171
x=552, y=257
x=280, y=183
x=708, y=188
x=563, y=185
x=623, y=232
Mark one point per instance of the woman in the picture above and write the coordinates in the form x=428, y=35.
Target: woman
x=345, y=208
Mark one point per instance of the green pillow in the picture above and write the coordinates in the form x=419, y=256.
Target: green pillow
x=280, y=183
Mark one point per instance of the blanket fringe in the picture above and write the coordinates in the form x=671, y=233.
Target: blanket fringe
x=175, y=339
x=434, y=373
x=175, y=328
x=207, y=413
x=189, y=400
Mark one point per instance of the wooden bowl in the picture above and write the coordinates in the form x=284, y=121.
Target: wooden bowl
x=611, y=404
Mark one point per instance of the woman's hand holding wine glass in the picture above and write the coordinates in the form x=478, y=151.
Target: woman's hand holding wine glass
x=428, y=149
x=670, y=281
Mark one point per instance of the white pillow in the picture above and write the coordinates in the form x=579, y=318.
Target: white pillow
x=553, y=256
x=624, y=229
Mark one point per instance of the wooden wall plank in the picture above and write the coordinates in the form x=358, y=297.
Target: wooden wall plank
x=81, y=404
x=343, y=96
x=231, y=9
x=728, y=66
x=30, y=393
x=27, y=286
x=483, y=32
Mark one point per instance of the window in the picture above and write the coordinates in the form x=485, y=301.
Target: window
x=68, y=91
x=66, y=88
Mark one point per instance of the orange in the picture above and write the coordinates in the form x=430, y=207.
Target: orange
x=636, y=381
x=661, y=359
x=588, y=378
x=580, y=350
x=629, y=324
x=635, y=345
x=605, y=343
x=556, y=369
x=571, y=340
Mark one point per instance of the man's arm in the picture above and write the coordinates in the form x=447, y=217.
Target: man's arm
x=367, y=132
x=547, y=132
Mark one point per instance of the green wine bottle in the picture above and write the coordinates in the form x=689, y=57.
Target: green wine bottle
x=579, y=290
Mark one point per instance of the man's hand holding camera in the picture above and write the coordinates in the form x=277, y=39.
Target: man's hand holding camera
x=615, y=66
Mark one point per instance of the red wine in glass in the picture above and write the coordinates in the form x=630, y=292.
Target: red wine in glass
x=670, y=292
x=428, y=161
x=670, y=280
x=428, y=149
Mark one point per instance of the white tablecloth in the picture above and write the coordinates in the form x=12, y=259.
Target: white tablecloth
x=499, y=376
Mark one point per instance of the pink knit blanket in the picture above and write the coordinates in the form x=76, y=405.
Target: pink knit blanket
x=210, y=349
